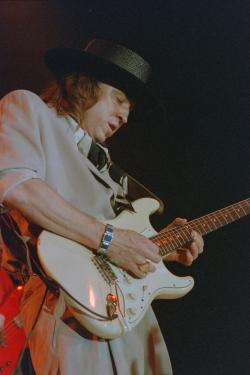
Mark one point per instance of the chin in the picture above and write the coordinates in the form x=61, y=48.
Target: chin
x=101, y=138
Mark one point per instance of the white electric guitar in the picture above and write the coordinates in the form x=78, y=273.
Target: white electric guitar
x=106, y=299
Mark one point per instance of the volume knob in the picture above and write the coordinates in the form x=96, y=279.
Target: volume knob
x=131, y=311
x=132, y=296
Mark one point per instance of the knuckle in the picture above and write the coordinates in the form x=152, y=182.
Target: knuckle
x=152, y=268
x=158, y=259
x=141, y=275
x=139, y=259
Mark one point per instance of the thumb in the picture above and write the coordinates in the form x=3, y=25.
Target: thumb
x=176, y=222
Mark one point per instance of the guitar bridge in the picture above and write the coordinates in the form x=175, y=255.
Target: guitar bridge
x=111, y=304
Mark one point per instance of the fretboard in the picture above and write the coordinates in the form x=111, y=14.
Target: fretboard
x=172, y=239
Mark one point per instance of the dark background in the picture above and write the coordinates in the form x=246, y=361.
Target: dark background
x=196, y=161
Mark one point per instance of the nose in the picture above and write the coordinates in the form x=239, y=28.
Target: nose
x=123, y=119
x=122, y=116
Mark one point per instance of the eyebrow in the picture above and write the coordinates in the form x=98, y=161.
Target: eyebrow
x=117, y=91
x=125, y=97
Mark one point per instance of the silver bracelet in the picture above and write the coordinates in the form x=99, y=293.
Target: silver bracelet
x=106, y=239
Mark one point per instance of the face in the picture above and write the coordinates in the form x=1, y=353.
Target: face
x=110, y=112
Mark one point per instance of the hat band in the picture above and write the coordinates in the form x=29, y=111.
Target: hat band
x=120, y=56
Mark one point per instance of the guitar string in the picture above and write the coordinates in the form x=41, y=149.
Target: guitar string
x=10, y=326
x=216, y=213
x=204, y=219
x=226, y=210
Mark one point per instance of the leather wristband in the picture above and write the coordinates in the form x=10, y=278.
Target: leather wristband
x=106, y=239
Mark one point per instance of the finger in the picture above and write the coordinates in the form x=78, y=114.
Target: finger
x=145, y=247
x=152, y=253
x=147, y=265
x=179, y=221
x=171, y=257
x=130, y=267
x=156, y=258
x=197, y=238
x=176, y=222
x=185, y=257
x=136, y=271
x=194, y=250
x=139, y=259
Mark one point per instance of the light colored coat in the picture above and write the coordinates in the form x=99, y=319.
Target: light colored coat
x=36, y=143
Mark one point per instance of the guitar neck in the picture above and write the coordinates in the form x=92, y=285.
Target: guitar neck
x=172, y=239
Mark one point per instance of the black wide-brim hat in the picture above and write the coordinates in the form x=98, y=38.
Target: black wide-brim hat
x=109, y=63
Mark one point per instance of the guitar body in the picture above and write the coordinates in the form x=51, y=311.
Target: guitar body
x=104, y=298
x=12, y=337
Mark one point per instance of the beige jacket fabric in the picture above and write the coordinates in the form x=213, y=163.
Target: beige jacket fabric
x=36, y=143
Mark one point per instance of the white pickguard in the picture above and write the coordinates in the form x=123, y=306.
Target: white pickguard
x=85, y=287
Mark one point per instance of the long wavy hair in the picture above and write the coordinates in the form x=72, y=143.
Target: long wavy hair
x=72, y=95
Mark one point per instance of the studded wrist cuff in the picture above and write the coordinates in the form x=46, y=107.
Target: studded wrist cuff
x=106, y=239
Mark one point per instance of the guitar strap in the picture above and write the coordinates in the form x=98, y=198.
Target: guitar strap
x=22, y=260
x=132, y=190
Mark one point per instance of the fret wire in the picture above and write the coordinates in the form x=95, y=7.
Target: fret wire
x=210, y=218
x=170, y=243
x=171, y=238
x=177, y=238
x=225, y=217
x=213, y=221
x=230, y=214
x=182, y=229
x=206, y=222
x=176, y=244
x=168, y=246
x=163, y=245
x=223, y=220
x=221, y=216
x=236, y=211
x=199, y=227
x=185, y=239
x=244, y=211
x=164, y=250
x=223, y=210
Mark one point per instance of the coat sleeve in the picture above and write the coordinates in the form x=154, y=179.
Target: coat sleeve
x=21, y=156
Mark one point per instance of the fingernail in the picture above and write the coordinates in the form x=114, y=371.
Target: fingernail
x=194, y=235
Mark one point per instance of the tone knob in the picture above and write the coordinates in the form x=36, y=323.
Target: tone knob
x=131, y=311
x=132, y=296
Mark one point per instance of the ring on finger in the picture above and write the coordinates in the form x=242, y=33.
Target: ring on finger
x=145, y=267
